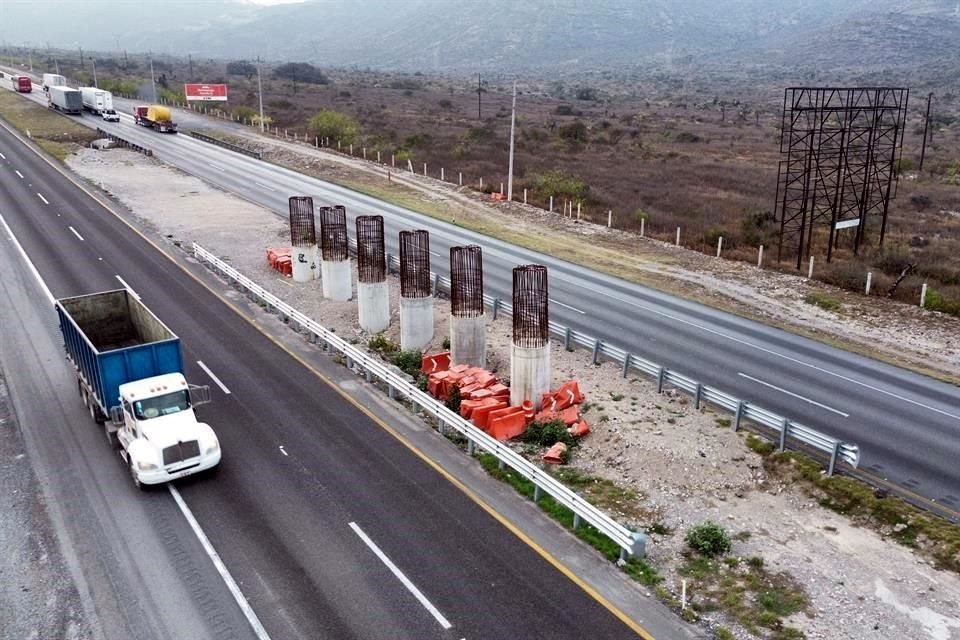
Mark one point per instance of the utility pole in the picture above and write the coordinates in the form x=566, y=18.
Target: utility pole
x=513, y=121
x=926, y=124
x=56, y=63
x=190, y=61
x=153, y=80
x=94, y=61
x=479, y=91
x=260, y=90
x=81, y=55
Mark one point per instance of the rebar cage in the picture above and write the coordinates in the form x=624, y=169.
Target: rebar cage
x=466, y=281
x=531, y=315
x=415, y=264
x=333, y=233
x=371, y=250
x=303, y=230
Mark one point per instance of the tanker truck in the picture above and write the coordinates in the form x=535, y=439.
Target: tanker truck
x=129, y=368
x=155, y=117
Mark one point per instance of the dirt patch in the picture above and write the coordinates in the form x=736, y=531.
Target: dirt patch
x=676, y=466
x=57, y=134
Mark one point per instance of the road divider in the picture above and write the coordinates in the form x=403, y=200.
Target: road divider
x=123, y=142
x=226, y=145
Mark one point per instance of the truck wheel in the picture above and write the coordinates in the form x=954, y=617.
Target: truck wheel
x=111, y=437
x=95, y=413
x=133, y=476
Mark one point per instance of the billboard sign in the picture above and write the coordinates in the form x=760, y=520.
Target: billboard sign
x=206, y=92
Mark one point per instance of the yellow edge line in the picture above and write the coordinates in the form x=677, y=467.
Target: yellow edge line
x=629, y=622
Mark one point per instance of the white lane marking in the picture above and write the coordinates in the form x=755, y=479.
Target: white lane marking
x=27, y=261
x=248, y=611
x=567, y=306
x=127, y=287
x=217, y=167
x=289, y=284
x=222, y=386
x=3, y=156
x=18, y=173
x=399, y=575
x=40, y=195
x=785, y=357
x=283, y=451
x=264, y=186
x=795, y=395
x=76, y=233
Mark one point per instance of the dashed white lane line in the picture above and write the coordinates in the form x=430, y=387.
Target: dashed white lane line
x=581, y=312
x=794, y=395
x=76, y=233
x=27, y=261
x=217, y=167
x=283, y=451
x=220, y=384
x=18, y=173
x=402, y=578
x=3, y=156
x=40, y=195
x=221, y=568
x=783, y=356
x=268, y=188
x=127, y=287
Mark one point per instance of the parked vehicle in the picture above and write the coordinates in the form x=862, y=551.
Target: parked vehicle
x=22, y=84
x=99, y=102
x=156, y=117
x=53, y=80
x=129, y=369
x=65, y=99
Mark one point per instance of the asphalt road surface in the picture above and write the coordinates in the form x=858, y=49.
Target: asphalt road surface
x=316, y=510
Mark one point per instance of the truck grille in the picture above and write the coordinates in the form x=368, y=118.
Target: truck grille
x=180, y=452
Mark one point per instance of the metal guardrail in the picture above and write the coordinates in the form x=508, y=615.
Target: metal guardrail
x=123, y=142
x=226, y=145
x=787, y=432
x=630, y=542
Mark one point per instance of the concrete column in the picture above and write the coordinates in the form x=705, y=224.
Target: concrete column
x=373, y=304
x=468, y=340
x=529, y=374
x=416, y=322
x=304, y=264
x=337, y=280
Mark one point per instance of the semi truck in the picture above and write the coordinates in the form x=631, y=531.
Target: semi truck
x=22, y=84
x=155, y=117
x=53, y=80
x=129, y=369
x=65, y=99
x=99, y=102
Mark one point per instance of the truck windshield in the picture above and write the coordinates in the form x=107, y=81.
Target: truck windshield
x=161, y=405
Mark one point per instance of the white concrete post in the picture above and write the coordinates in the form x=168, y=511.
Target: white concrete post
x=460, y=178
x=351, y=148
x=424, y=168
x=285, y=134
x=316, y=141
x=393, y=161
x=410, y=165
x=551, y=204
x=678, y=237
x=719, y=245
x=923, y=295
x=294, y=136
x=760, y=257
x=642, y=226
x=364, y=153
x=524, y=196
x=578, y=210
x=501, y=188
x=378, y=158
x=869, y=282
x=338, y=145
x=481, y=183
x=609, y=218
x=810, y=270
x=683, y=595
x=441, y=174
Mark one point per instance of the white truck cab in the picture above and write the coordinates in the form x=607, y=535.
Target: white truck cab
x=157, y=430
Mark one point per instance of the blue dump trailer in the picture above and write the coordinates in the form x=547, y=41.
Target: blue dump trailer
x=129, y=368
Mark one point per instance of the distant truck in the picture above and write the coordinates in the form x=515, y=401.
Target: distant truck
x=156, y=117
x=22, y=84
x=129, y=368
x=65, y=99
x=53, y=80
x=99, y=102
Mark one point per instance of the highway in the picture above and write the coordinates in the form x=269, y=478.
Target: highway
x=330, y=525
x=906, y=424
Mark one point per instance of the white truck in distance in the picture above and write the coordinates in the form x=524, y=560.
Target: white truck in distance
x=53, y=80
x=99, y=102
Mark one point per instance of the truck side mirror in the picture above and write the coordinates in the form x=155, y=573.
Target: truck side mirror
x=199, y=394
x=116, y=416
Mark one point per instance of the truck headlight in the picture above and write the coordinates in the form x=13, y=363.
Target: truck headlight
x=213, y=448
x=147, y=466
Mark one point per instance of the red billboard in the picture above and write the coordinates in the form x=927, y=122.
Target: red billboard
x=207, y=92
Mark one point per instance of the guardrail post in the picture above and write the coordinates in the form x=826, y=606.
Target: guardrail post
x=470, y=447
x=833, y=457
x=660, y=375
x=568, y=339
x=537, y=492
x=369, y=375
x=738, y=416
x=784, y=427
x=596, y=350
x=501, y=465
x=626, y=364
x=436, y=283
x=496, y=307
x=698, y=397
x=576, y=521
x=391, y=392
x=639, y=545
x=389, y=260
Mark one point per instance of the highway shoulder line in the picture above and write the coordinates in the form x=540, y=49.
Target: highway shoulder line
x=213, y=377
x=793, y=395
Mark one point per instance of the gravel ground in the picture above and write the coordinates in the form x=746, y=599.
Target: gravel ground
x=684, y=466
x=38, y=601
